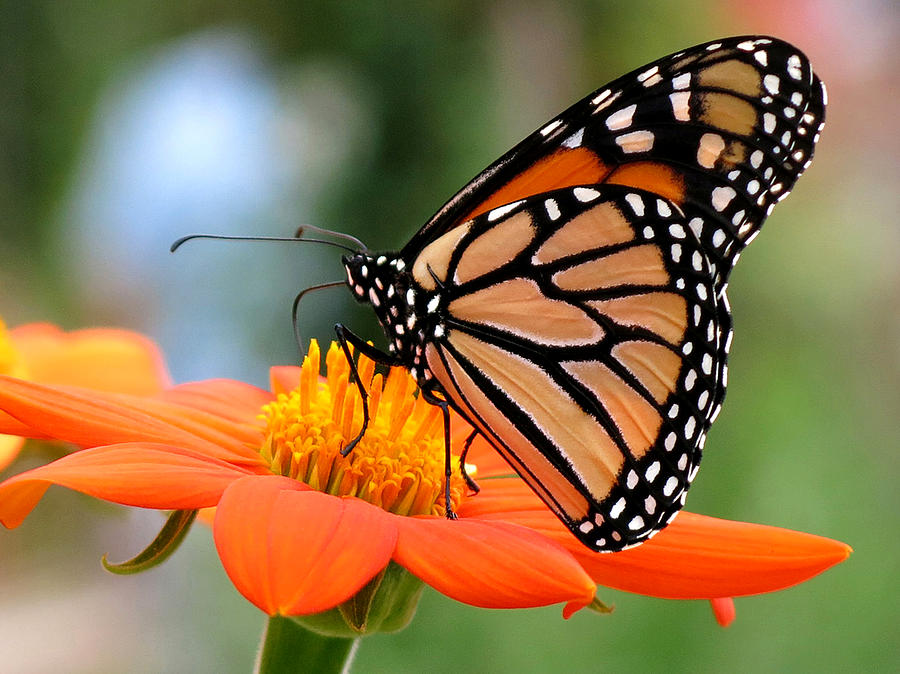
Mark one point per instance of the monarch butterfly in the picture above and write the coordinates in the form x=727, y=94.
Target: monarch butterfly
x=570, y=301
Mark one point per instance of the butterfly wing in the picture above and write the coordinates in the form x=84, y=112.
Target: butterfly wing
x=583, y=325
x=581, y=335
x=723, y=130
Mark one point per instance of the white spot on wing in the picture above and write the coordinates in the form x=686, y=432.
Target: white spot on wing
x=604, y=100
x=621, y=119
x=722, y=196
x=636, y=141
x=680, y=105
x=599, y=98
x=682, y=81
x=575, y=139
x=552, y=209
x=500, y=211
x=663, y=208
x=709, y=149
x=676, y=252
x=670, y=486
x=670, y=442
x=690, y=379
x=636, y=203
x=696, y=225
x=647, y=74
x=585, y=194
x=551, y=127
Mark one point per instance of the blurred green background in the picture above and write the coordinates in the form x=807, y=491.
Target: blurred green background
x=125, y=124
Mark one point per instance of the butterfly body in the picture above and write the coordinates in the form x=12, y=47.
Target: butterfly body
x=570, y=302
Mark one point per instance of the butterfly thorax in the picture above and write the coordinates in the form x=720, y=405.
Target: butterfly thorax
x=404, y=309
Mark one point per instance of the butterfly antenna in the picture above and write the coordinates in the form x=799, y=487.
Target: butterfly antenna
x=295, y=308
x=225, y=237
x=302, y=229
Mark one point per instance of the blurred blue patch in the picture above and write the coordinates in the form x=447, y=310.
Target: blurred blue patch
x=202, y=136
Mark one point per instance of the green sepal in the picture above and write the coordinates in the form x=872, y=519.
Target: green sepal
x=166, y=542
x=598, y=606
x=387, y=603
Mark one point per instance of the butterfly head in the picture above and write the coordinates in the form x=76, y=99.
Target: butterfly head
x=383, y=281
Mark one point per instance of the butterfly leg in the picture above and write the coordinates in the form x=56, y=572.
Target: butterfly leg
x=345, y=339
x=472, y=484
x=448, y=466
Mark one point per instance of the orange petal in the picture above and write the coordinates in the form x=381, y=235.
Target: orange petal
x=91, y=418
x=144, y=475
x=698, y=557
x=292, y=551
x=492, y=564
x=695, y=557
x=500, y=497
x=284, y=378
x=227, y=398
x=12, y=426
x=102, y=359
x=723, y=610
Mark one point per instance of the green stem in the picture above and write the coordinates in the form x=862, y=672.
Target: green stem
x=288, y=647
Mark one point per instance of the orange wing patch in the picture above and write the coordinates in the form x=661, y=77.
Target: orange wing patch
x=637, y=420
x=436, y=257
x=732, y=75
x=727, y=112
x=581, y=440
x=522, y=455
x=639, y=265
x=566, y=167
x=655, y=366
x=518, y=306
x=664, y=313
x=647, y=175
x=601, y=226
x=495, y=247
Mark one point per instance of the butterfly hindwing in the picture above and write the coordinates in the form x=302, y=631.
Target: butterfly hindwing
x=591, y=367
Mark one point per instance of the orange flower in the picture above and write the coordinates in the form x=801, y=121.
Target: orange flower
x=301, y=529
x=101, y=359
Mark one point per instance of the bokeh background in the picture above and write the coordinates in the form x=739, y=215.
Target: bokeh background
x=127, y=123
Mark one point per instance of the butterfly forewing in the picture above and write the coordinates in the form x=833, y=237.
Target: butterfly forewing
x=723, y=130
x=590, y=366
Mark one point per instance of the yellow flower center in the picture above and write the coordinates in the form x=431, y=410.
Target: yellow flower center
x=398, y=464
x=10, y=360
